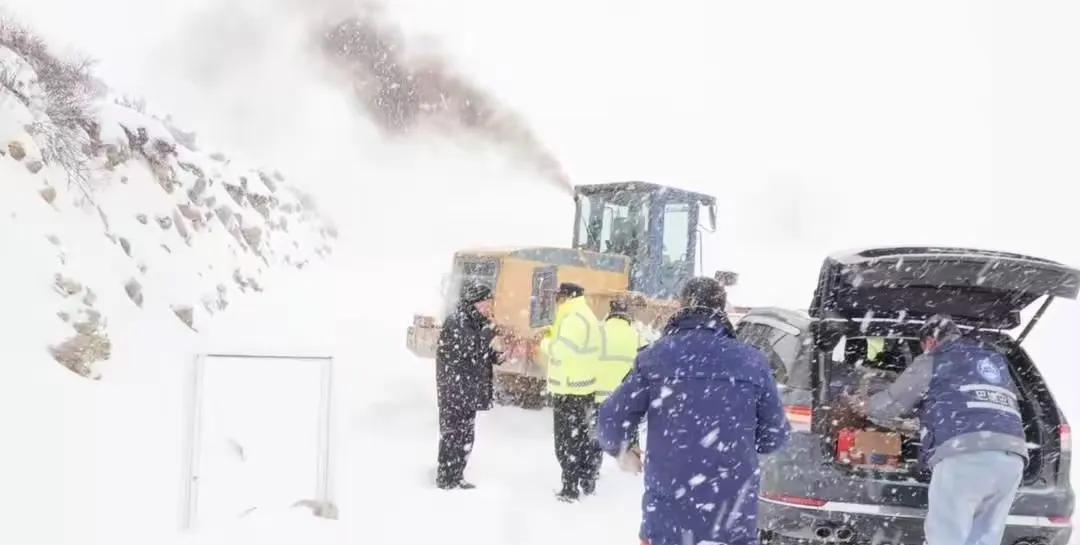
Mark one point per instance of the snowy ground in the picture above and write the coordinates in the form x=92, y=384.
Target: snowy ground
x=388, y=435
x=514, y=467
x=389, y=432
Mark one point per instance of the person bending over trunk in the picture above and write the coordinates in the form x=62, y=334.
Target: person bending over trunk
x=971, y=428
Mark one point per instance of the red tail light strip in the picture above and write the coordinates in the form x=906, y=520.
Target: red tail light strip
x=799, y=417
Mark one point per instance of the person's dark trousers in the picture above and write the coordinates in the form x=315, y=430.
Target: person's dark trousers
x=595, y=454
x=457, y=430
x=572, y=415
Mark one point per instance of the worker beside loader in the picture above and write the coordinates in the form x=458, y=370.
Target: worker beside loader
x=619, y=347
x=572, y=345
x=463, y=375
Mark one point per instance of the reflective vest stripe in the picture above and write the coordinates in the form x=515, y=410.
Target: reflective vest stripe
x=585, y=324
x=575, y=348
x=581, y=383
x=573, y=383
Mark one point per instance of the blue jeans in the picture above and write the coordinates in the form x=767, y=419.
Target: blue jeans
x=970, y=498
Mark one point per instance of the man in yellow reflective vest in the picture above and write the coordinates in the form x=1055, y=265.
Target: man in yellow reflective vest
x=572, y=346
x=621, y=342
x=619, y=347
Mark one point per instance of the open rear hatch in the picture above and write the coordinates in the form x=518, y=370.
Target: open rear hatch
x=897, y=287
x=977, y=287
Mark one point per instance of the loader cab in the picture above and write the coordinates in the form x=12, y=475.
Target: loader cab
x=658, y=228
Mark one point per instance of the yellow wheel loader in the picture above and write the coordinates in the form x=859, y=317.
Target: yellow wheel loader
x=635, y=240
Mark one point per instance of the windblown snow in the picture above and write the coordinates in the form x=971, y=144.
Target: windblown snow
x=170, y=250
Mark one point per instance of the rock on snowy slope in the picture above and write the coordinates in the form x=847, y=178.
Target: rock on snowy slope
x=218, y=226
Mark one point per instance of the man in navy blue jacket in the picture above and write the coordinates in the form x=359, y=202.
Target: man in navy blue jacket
x=972, y=432
x=711, y=407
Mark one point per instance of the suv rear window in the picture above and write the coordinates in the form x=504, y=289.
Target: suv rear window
x=789, y=358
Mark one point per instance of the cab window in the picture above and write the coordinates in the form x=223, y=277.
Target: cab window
x=542, y=300
x=676, y=247
x=613, y=224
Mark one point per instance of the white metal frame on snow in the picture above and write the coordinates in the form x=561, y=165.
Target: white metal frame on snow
x=194, y=429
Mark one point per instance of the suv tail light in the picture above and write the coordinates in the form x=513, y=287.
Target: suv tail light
x=795, y=500
x=1066, y=438
x=799, y=416
x=845, y=441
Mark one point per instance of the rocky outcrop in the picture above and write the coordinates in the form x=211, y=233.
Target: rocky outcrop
x=163, y=228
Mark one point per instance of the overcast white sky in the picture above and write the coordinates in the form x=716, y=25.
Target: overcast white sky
x=820, y=125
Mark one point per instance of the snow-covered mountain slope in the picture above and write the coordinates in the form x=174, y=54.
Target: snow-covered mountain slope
x=121, y=273
x=155, y=231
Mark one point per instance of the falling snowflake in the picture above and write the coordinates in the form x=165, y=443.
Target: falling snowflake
x=710, y=438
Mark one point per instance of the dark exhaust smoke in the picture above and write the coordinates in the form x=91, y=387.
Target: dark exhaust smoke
x=403, y=93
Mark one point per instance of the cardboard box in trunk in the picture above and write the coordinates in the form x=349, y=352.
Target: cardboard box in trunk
x=876, y=449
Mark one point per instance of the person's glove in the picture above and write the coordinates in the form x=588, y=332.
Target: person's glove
x=630, y=461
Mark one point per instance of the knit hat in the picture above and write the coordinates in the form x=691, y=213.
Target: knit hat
x=474, y=293
x=939, y=327
x=620, y=305
x=570, y=290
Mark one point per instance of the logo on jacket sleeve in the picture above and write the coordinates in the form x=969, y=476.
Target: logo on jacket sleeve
x=989, y=371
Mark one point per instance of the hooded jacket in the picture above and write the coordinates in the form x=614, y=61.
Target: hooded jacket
x=464, y=360
x=711, y=406
x=572, y=348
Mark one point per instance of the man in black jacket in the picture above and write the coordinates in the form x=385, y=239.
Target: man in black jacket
x=464, y=377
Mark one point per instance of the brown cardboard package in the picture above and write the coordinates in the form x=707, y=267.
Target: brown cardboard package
x=876, y=448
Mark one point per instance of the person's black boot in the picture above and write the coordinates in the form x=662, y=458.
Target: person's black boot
x=568, y=494
x=455, y=485
x=588, y=487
